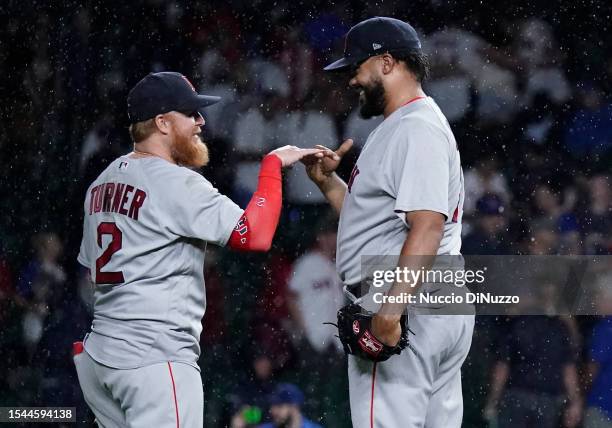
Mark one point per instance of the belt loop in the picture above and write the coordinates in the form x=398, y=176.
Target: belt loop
x=354, y=299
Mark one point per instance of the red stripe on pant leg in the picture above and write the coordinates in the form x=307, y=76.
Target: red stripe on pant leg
x=372, y=397
x=174, y=393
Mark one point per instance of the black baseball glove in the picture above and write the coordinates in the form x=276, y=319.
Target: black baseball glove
x=354, y=325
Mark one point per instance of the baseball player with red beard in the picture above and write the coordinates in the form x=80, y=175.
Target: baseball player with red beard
x=148, y=219
x=404, y=200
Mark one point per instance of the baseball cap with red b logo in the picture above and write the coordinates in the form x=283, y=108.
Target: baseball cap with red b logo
x=162, y=92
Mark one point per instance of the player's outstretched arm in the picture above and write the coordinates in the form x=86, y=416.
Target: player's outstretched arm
x=256, y=227
x=321, y=170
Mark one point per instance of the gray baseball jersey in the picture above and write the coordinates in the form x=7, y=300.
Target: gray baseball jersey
x=147, y=222
x=410, y=162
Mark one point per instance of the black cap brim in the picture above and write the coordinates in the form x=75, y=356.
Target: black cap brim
x=341, y=65
x=207, y=100
x=198, y=102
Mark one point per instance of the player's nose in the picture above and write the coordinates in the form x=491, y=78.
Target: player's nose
x=200, y=120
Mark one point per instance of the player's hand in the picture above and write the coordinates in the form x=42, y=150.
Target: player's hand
x=291, y=154
x=386, y=329
x=320, y=168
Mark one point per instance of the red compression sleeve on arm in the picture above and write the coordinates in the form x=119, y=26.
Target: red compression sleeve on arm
x=256, y=227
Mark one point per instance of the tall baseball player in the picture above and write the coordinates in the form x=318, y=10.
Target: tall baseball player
x=404, y=198
x=148, y=218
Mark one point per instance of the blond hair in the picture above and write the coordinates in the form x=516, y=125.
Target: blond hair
x=140, y=131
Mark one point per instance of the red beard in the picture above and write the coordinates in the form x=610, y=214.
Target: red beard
x=189, y=150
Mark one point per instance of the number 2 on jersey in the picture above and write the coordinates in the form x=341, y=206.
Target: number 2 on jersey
x=108, y=228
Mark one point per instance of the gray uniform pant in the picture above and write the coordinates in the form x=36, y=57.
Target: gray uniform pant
x=166, y=395
x=414, y=390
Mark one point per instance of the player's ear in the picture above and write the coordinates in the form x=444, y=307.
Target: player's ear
x=388, y=62
x=162, y=123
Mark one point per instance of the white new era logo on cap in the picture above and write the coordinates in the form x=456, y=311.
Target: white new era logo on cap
x=376, y=46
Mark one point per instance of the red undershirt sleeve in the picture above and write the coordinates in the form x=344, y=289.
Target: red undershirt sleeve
x=255, y=229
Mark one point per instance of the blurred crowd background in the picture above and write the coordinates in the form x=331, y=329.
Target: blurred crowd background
x=526, y=86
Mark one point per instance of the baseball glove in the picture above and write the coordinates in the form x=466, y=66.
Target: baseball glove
x=354, y=325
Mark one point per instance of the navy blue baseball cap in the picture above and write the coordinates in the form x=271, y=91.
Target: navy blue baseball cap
x=162, y=92
x=375, y=36
x=286, y=393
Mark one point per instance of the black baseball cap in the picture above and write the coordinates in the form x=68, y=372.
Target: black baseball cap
x=162, y=92
x=376, y=36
